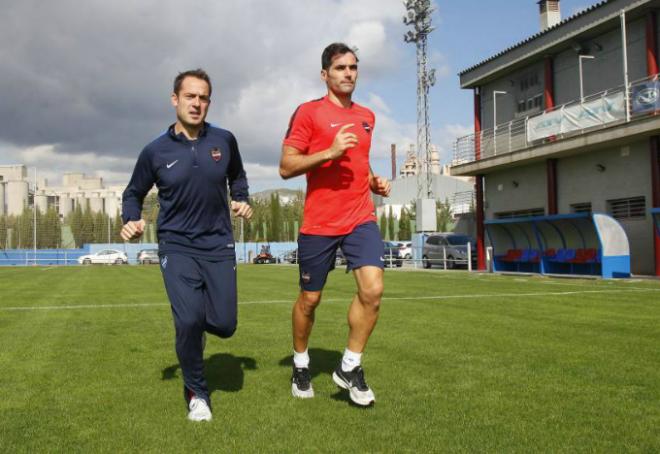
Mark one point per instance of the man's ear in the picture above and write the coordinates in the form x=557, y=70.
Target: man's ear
x=324, y=75
x=175, y=99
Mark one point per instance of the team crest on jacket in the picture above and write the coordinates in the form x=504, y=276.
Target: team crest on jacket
x=366, y=127
x=216, y=154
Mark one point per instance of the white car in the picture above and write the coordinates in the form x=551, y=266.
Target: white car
x=107, y=256
x=405, y=249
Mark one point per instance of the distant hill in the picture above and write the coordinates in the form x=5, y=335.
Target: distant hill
x=286, y=195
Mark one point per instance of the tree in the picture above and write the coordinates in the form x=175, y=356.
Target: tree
x=404, y=225
x=390, y=224
x=275, y=221
x=383, y=225
x=75, y=221
x=87, y=227
x=49, y=230
x=116, y=229
x=444, y=216
x=3, y=232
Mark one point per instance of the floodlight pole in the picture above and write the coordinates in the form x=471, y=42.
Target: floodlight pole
x=418, y=15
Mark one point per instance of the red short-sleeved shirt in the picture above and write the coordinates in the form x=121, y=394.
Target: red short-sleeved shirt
x=338, y=195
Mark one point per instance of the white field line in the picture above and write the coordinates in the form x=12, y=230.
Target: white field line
x=290, y=301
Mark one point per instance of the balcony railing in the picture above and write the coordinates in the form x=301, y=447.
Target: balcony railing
x=598, y=111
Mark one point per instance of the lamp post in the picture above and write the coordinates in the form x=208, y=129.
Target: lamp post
x=34, y=217
x=580, y=58
x=495, y=93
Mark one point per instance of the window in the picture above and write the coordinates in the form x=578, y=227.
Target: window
x=520, y=213
x=630, y=208
x=584, y=207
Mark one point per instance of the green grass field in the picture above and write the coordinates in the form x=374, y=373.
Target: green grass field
x=459, y=362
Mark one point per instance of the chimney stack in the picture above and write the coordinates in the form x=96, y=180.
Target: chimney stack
x=550, y=14
x=393, y=161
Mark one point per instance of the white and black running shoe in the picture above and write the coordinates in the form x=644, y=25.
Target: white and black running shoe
x=354, y=382
x=301, y=383
x=199, y=410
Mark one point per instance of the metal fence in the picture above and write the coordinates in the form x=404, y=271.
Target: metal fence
x=515, y=135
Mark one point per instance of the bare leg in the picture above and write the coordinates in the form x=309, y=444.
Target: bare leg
x=302, y=318
x=363, y=313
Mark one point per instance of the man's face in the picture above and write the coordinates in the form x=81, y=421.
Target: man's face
x=342, y=74
x=192, y=101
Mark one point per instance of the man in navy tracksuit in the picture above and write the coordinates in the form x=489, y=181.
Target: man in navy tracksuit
x=192, y=164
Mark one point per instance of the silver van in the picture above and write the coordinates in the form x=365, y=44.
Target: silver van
x=448, y=250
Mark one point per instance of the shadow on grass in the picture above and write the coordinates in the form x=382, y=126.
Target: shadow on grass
x=223, y=371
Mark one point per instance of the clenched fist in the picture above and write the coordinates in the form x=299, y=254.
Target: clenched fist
x=132, y=230
x=241, y=209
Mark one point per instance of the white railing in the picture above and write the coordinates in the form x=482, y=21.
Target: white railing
x=567, y=120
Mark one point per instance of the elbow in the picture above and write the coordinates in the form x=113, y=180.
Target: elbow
x=285, y=173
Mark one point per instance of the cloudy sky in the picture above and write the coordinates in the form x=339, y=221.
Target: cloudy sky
x=85, y=84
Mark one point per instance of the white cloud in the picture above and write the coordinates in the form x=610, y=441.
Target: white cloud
x=94, y=82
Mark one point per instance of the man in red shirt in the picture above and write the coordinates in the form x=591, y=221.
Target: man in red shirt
x=329, y=140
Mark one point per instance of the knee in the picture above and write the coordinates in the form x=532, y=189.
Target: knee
x=223, y=329
x=371, y=294
x=309, y=301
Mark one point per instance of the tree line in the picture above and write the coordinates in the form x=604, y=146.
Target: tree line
x=272, y=221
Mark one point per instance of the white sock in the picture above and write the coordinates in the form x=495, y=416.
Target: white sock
x=350, y=360
x=301, y=359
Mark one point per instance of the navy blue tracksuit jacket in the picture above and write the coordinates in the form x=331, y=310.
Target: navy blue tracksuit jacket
x=192, y=178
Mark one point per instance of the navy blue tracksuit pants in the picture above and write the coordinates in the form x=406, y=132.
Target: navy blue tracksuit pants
x=203, y=297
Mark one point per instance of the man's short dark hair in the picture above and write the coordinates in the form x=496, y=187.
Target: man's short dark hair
x=198, y=73
x=332, y=51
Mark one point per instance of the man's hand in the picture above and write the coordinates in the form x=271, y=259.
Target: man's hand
x=343, y=141
x=132, y=230
x=241, y=209
x=380, y=186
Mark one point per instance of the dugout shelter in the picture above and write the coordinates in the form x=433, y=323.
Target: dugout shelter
x=577, y=244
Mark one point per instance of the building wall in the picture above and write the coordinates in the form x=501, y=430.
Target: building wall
x=17, y=172
x=3, y=208
x=602, y=73
x=626, y=174
x=502, y=194
x=507, y=104
x=65, y=206
x=16, y=195
x=605, y=71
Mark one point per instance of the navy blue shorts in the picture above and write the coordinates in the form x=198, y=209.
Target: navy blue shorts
x=317, y=254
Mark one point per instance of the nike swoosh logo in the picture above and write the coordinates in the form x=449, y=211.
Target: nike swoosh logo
x=172, y=163
x=334, y=125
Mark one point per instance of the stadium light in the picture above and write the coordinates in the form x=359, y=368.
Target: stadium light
x=418, y=16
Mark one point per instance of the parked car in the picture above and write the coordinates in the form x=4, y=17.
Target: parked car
x=405, y=249
x=147, y=256
x=291, y=256
x=340, y=259
x=392, y=255
x=450, y=248
x=106, y=256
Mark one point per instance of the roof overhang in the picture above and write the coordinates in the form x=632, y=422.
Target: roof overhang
x=587, y=24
